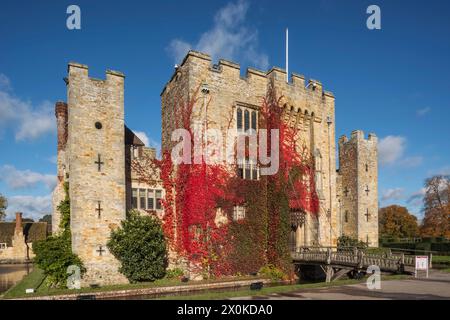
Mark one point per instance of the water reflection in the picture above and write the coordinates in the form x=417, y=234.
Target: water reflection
x=10, y=274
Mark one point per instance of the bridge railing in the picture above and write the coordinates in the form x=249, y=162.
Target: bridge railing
x=352, y=257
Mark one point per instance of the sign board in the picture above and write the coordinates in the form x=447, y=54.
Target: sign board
x=422, y=264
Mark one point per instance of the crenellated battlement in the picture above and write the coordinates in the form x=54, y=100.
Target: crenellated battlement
x=358, y=136
x=199, y=62
x=83, y=70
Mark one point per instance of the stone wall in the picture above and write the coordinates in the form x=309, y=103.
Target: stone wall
x=96, y=161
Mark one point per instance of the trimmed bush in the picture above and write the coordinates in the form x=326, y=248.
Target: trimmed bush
x=139, y=244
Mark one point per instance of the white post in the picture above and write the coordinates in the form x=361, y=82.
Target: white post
x=287, y=55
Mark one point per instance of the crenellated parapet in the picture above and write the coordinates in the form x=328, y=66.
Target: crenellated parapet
x=302, y=96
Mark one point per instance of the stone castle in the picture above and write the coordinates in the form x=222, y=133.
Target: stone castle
x=95, y=148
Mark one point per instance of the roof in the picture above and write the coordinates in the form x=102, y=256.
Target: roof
x=33, y=231
x=131, y=138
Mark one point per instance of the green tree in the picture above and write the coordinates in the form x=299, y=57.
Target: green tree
x=396, y=222
x=3, y=206
x=47, y=218
x=54, y=255
x=140, y=246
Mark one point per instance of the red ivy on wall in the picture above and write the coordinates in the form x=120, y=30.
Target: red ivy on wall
x=194, y=192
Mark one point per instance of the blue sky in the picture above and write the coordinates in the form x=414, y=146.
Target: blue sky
x=394, y=81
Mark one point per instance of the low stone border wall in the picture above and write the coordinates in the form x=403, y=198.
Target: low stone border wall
x=15, y=261
x=150, y=291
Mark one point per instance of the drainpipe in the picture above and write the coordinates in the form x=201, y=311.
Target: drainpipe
x=329, y=122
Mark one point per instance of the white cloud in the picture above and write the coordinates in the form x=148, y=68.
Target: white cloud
x=229, y=38
x=29, y=122
x=148, y=141
x=412, y=161
x=20, y=179
x=5, y=84
x=391, y=149
x=416, y=198
x=31, y=206
x=143, y=136
x=423, y=111
x=444, y=171
x=392, y=194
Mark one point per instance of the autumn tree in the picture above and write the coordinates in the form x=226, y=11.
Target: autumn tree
x=3, y=205
x=396, y=222
x=436, y=222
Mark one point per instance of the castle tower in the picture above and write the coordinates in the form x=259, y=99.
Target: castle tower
x=96, y=165
x=358, y=187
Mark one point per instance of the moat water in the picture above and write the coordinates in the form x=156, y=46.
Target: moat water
x=10, y=274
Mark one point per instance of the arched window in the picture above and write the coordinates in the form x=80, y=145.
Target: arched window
x=239, y=119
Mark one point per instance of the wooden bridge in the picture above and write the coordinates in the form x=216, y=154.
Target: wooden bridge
x=336, y=262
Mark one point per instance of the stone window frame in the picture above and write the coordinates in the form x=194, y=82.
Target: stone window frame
x=240, y=116
x=253, y=117
x=246, y=166
x=239, y=213
x=3, y=246
x=157, y=206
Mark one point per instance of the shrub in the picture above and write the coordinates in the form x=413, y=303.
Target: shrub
x=174, y=273
x=272, y=272
x=346, y=241
x=54, y=255
x=140, y=246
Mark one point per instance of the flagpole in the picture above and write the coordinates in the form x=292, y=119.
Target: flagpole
x=287, y=55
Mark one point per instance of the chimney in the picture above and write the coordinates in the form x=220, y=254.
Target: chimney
x=61, y=121
x=19, y=228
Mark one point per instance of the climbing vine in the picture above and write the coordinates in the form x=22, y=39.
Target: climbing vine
x=54, y=255
x=196, y=194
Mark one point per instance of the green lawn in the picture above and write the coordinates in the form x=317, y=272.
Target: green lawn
x=441, y=259
x=36, y=280
x=31, y=281
x=271, y=290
